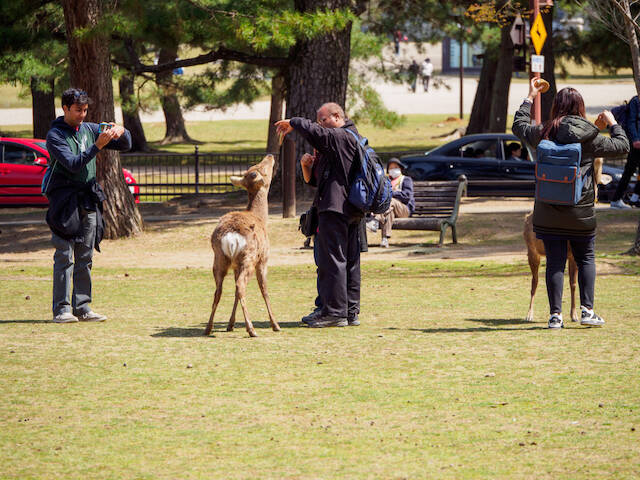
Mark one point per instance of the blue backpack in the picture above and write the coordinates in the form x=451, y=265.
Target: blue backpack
x=370, y=189
x=558, y=177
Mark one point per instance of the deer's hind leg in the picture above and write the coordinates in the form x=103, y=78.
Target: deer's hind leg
x=261, y=275
x=241, y=291
x=232, y=319
x=220, y=268
x=534, y=265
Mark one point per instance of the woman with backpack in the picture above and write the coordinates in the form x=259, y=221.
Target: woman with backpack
x=556, y=224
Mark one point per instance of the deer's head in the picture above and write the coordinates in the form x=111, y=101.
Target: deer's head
x=257, y=177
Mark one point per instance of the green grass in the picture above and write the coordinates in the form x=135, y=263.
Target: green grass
x=444, y=379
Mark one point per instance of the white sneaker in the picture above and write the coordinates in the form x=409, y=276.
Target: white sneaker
x=384, y=243
x=65, y=317
x=91, y=316
x=590, y=319
x=619, y=204
x=372, y=226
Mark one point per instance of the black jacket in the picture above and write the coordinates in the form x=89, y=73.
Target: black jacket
x=66, y=197
x=336, y=148
x=564, y=220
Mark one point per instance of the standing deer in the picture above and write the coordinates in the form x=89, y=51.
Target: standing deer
x=240, y=241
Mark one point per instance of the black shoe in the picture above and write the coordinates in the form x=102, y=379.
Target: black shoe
x=307, y=318
x=353, y=321
x=328, y=321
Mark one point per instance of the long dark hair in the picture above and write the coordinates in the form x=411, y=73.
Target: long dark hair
x=567, y=102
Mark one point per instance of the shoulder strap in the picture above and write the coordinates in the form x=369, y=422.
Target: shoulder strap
x=361, y=140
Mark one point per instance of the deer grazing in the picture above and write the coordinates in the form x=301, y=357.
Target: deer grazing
x=535, y=250
x=240, y=241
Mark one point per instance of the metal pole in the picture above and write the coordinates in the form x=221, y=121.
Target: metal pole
x=461, y=78
x=288, y=159
x=197, y=166
x=537, y=104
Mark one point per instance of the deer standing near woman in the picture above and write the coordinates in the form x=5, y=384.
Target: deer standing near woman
x=240, y=241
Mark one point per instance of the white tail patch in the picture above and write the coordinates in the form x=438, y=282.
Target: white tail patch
x=232, y=243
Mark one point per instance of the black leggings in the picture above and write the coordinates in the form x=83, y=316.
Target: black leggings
x=633, y=163
x=584, y=254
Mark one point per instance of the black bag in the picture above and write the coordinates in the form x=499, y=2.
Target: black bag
x=309, y=222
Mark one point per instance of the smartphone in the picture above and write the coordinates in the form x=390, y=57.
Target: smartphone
x=104, y=126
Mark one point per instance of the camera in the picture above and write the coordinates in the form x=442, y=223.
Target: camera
x=104, y=126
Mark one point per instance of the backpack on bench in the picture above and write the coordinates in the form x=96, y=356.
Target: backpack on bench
x=558, y=177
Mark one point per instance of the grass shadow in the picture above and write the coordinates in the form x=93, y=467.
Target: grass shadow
x=218, y=327
x=473, y=329
x=3, y=322
x=499, y=321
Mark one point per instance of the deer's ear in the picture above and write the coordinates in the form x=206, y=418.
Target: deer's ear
x=237, y=181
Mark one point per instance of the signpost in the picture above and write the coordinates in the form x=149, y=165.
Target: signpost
x=538, y=37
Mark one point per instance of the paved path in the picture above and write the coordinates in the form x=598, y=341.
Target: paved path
x=396, y=97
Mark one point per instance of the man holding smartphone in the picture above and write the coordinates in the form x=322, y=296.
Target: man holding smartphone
x=75, y=203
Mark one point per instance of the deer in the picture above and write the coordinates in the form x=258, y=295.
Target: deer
x=240, y=241
x=535, y=251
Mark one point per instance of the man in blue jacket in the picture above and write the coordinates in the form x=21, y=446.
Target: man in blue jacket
x=632, y=128
x=75, y=203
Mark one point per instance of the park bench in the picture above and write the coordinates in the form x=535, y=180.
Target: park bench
x=437, y=205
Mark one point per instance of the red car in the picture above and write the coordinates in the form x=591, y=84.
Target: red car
x=23, y=161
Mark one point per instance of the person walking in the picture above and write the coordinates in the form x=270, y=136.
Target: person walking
x=427, y=71
x=557, y=225
x=75, y=203
x=632, y=129
x=414, y=73
x=338, y=239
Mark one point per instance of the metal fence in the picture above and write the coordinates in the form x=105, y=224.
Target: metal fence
x=165, y=175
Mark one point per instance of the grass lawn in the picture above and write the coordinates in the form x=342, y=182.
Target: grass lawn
x=444, y=379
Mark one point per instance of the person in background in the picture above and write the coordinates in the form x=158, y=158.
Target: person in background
x=402, y=203
x=632, y=128
x=514, y=151
x=414, y=73
x=559, y=225
x=427, y=71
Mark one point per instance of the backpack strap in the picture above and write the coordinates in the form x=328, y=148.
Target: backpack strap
x=362, y=140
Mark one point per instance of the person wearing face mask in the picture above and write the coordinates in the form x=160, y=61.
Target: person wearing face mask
x=402, y=203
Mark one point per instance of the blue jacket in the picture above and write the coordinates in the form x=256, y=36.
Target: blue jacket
x=633, y=122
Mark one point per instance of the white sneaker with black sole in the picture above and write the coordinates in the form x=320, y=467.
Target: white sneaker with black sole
x=65, y=317
x=590, y=319
x=620, y=205
x=555, y=321
x=91, y=316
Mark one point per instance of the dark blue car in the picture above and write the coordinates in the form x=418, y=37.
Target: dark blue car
x=483, y=159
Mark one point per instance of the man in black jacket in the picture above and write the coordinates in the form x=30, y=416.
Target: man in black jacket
x=338, y=221
x=75, y=203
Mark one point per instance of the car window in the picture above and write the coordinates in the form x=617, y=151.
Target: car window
x=18, y=154
x=510, y=145
x=478, y=149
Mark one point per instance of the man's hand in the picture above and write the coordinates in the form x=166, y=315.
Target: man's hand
x=307, y=160
x=105, y=137
x=636, y=144
x=608, y=118
x=119, y=130
x=283, y=127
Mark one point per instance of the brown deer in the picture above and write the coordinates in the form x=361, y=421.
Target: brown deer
x=535, y=250
x=240, y=241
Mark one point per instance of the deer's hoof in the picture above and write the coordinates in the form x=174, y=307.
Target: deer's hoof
x=252, y=333
x=229, y=329
x=529, y=317
x=276, y=328
x=207, y=332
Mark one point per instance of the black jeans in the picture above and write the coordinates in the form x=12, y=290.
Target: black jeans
x=338, y=259
x=633, y=162
x=584, y=254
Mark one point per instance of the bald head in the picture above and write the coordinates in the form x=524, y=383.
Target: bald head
x=331, y=115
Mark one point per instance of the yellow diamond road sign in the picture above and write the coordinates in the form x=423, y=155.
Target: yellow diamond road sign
x=538, y=34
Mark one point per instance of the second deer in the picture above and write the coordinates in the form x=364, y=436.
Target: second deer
x=240, y=241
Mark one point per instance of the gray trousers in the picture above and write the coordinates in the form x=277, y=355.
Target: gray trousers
x=65, y=270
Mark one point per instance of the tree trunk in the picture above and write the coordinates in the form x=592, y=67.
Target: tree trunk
x=502, y=83
x=176, y=131
x=635, y=59
x=319, y=69
x=43, y=106
x=479, y=119
x=130, y=114
x=549, y=65
x=277, y=97
x=90, y=69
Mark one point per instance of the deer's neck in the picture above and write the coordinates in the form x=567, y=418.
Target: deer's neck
x=258, y=204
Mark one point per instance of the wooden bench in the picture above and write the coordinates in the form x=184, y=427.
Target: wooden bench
x=437, y=205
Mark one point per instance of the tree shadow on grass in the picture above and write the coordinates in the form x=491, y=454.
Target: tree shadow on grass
x=2, y=322
x=218, y=327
